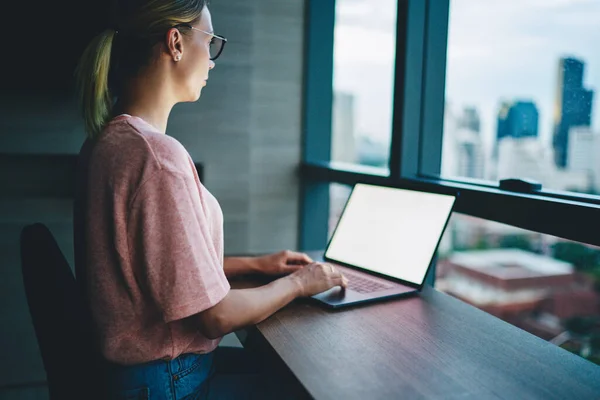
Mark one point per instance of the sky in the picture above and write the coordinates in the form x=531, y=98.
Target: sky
x=510, y=49
x=364, y=48
x=497, y=50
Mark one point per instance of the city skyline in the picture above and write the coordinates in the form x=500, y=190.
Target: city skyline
x=518, y=60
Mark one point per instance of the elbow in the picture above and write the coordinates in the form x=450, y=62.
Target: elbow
x=215, y=325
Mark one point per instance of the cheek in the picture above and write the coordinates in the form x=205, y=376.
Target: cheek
x=204, y=59
x=198, y=67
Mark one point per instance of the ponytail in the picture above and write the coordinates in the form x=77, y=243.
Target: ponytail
x=143, y=23
x=92, y=82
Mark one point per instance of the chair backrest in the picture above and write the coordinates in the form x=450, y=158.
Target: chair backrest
x=59, y=315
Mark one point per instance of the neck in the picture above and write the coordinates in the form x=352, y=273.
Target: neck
x=149, y=98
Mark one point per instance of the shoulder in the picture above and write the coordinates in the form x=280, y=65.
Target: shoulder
x=168, y=152
x=133, y=144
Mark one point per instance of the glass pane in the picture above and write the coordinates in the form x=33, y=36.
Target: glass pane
x=545, y=285
x=520, y=86
x=363, y=81
x=338, y=195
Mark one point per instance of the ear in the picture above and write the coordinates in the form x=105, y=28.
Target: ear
x=174, y=43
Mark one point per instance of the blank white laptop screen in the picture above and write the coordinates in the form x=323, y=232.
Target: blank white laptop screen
x=391, y=231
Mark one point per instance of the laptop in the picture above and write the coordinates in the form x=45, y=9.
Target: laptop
x=385, y=242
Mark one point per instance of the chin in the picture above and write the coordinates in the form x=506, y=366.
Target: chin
x=197, y=94
x=192, y=97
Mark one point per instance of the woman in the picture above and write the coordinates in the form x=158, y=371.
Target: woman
x=148, y=234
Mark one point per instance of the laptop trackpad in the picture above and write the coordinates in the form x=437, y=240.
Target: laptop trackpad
x=338, y=295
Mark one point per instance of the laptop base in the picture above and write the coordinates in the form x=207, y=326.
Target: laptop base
x=338, y=298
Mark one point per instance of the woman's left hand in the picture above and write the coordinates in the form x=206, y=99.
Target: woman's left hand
x=282, y=263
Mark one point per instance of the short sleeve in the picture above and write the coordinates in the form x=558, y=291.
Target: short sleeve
x=172, y=250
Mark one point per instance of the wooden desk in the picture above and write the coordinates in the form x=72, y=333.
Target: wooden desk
x=432, y=346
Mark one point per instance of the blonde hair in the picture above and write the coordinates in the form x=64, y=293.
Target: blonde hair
x=119, y=53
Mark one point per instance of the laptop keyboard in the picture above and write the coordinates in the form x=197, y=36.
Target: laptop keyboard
x=362, y=284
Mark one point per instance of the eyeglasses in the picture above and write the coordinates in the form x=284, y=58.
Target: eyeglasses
x=217, y=43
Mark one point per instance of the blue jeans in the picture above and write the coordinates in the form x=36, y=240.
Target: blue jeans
x=226, y=373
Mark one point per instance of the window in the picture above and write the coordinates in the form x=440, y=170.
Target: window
x=338, y=196
x=540, y=283
x=486, y=91
x=423, y=145
x=363, y=81
x=521, y=77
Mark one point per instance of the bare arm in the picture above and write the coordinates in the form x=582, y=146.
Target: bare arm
x=282, y=263
x=245, y=307
x=234, y=266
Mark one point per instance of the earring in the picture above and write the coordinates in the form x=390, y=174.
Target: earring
x=178, y=57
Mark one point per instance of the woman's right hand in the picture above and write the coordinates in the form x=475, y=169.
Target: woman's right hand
x=318, y=277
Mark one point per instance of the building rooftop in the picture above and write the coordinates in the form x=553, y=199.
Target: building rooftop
x=507, y=264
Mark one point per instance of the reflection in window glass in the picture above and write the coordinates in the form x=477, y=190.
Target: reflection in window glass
x=363, y=81
x=545, y=285
x=338, y=196
x=520, y=92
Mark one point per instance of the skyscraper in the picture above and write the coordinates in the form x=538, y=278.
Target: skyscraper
x=470, y=119
x=584, y=147
x=573, y=106
x=517, y=120
x=462, y=153
x=502, y=128
x=343, y=146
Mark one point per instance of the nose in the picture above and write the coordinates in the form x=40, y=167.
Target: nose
x=211, y=64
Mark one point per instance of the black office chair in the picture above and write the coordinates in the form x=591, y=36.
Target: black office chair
x=59, y=315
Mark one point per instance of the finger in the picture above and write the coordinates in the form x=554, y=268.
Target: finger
x=326, y=268
x=296, y=257
x=307, y=258
x=341, y=281
x=338, y=275
x=333, y=270
x=292, y=267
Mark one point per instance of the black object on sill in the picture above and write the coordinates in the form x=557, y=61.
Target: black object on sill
x=520, y=185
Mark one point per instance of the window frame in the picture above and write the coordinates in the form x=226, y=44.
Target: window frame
x=417, y=132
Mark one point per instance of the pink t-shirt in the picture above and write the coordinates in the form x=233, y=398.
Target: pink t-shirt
x=148, y=243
